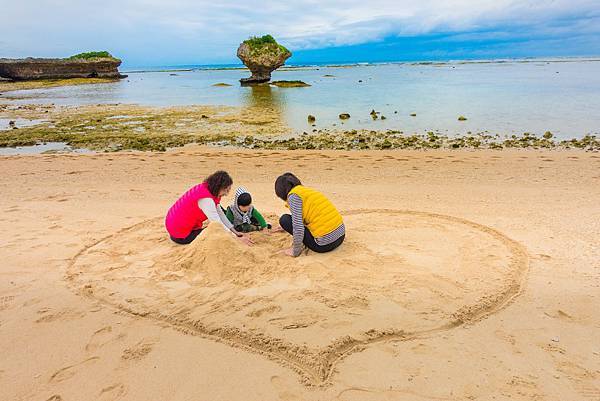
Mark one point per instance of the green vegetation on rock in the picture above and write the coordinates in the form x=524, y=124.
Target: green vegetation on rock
x=265, y=41
x=290, y=84
x=91, y=56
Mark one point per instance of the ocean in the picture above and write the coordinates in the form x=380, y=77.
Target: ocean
x=499, y=97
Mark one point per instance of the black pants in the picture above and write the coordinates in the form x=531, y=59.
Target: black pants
x=285, y=221
x=184, y=241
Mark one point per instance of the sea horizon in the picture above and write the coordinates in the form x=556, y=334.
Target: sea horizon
x=131, y=69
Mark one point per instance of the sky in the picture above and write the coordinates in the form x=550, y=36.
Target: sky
x=197, y=32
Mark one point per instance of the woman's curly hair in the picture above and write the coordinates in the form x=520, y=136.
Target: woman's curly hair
x=284, y=184
x=217, y=181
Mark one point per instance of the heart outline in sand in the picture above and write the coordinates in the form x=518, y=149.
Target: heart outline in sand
x=316, y=366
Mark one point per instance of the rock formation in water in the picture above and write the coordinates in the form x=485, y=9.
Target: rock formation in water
x=84, y=65
x=262, y=56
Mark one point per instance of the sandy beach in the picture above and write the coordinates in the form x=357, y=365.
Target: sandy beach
x=466, y=275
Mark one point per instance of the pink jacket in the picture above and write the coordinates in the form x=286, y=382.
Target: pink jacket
x=185, y=215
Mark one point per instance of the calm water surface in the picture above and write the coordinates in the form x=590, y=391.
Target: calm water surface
x=503, y=98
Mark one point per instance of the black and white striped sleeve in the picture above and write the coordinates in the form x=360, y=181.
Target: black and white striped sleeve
x=295, y=203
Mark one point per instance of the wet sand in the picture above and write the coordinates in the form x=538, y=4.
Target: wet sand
x=465, y=275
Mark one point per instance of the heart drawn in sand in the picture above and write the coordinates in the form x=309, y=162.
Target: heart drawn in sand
x=399, y=275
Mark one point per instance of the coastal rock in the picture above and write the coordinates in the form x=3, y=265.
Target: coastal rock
x=262, y=56
x=344, y=116
x=311, y=119
x=290, y=84
x=46, y=68
x=462, y=118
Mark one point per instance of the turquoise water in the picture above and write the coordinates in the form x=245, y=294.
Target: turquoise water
x=504, y=98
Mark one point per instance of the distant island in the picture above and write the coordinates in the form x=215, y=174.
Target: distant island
x=100, y=64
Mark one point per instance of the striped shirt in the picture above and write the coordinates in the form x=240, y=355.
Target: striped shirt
x=295, y=203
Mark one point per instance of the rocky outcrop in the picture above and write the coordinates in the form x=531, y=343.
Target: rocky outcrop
x=46, y=68
x=262, y=56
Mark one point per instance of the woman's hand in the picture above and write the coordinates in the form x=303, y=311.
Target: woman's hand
x=288, y=251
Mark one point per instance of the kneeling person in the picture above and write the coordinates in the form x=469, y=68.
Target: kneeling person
x=243, y=215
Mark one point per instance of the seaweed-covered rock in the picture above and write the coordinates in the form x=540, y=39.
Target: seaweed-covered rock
x=262, y=56
x=290, y=84
x=344, y=116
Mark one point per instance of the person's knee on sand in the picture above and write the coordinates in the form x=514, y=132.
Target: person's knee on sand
x=285, y=221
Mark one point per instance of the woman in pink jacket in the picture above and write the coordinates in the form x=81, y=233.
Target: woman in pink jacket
x=185, y=219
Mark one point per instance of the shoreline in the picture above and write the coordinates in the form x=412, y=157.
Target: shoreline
x=116, y=127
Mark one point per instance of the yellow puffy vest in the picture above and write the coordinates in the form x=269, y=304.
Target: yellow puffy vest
x=318, y=213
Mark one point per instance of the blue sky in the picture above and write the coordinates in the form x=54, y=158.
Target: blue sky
x=179, y=32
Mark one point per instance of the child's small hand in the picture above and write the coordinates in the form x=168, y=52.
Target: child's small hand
x=277, y=230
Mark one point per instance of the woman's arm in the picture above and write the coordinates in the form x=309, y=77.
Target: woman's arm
x=212, y=212
x=295, y=203
x=224, y=218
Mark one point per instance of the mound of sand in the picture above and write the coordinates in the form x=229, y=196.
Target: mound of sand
x=220, y=257
x=399, y=274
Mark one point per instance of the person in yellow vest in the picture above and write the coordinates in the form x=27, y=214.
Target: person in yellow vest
x=314, y=222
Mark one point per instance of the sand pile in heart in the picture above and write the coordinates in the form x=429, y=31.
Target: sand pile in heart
x=220, y=257
x=397, y=272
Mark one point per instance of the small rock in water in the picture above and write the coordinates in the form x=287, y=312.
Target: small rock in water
x=344, y=116
x=383, y=117
x=360, y=80
x=462, y=118
x=311, y=118
x=548, y=135
x=290, y=84
x=11, y=123
x=413, y=114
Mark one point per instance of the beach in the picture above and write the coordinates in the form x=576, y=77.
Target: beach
x=466, y=274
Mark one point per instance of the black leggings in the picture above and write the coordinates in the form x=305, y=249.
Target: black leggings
x=285, y=221
x=184, y=241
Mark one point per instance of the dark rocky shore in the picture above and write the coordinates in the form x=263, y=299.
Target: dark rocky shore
x=43, y=68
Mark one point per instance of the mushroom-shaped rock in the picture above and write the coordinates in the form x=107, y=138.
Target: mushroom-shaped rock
x=262, y=56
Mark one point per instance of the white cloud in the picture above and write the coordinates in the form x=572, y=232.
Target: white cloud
x=199, y=30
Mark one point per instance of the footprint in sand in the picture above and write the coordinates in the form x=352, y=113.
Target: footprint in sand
x=114, y=392
x=63, y=315
x=138, y=351
x=55, y=397
x=6, y=302
x=102, y=337
x=69, y=371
